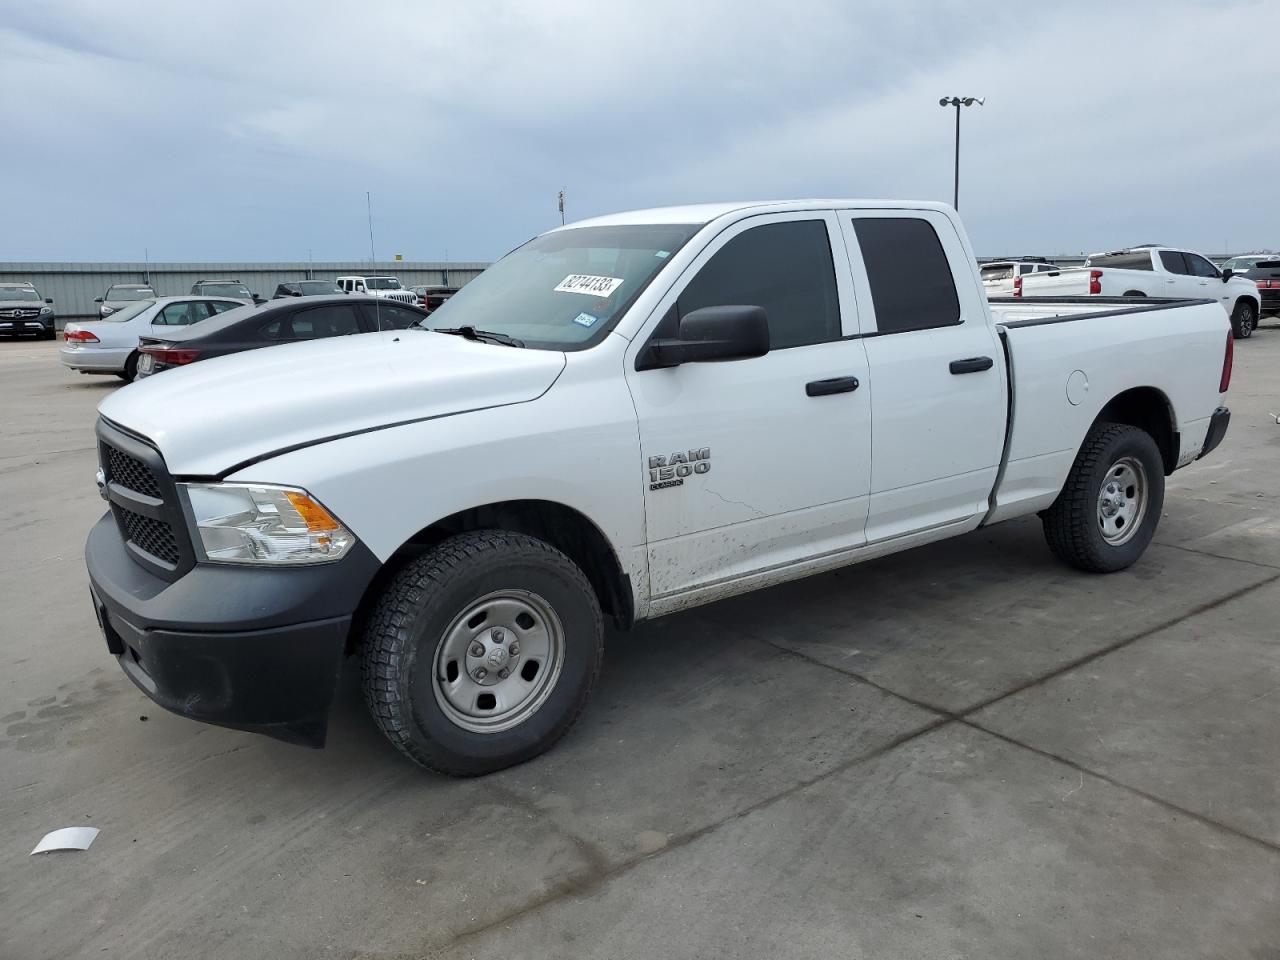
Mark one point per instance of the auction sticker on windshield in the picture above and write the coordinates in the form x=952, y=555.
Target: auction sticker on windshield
x=591, y=286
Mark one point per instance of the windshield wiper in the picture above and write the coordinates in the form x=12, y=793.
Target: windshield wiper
x=471, y=333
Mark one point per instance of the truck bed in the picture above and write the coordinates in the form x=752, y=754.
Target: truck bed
x=1067, y=356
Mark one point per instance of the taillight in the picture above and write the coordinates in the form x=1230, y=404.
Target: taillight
x=79, y=336
x=173, y=356
x=1017, y=286
x=1226, y=363
x=1267, y=284
x=1095, y=282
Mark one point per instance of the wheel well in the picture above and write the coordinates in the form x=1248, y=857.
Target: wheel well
x=1147, y=409
x=1249, y=300
x=1134, y=293
x=563, y=527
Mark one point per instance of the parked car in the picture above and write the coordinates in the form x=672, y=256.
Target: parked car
x=222, y=288
x=1264, y=270
x=287, y=320
x=120, y=295
x=110, y=345
x=306, y=288
x=24, y=311
x=998, y=275
x=1152, y=271
x=621, y=418
x=387, y=288
x=431, y=297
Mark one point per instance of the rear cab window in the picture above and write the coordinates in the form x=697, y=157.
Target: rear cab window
x=1130, y=260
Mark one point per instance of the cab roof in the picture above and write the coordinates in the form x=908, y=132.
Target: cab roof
x=702, y=213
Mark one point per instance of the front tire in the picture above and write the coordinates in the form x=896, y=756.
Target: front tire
x=1107, y=512
x=1244, y=320
x=440, y=674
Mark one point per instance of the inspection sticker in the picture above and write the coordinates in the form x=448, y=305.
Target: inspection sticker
x=591, y=286
x=585, y=319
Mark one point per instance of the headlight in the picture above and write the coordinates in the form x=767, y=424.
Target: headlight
x=46, y=310
x=261, y=523
x=104, y=310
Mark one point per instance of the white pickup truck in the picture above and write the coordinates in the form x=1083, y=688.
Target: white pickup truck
x=1151, y=271
x=622, y=418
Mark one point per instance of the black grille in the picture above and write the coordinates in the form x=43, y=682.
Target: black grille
x=132, y=473
x=151, y=536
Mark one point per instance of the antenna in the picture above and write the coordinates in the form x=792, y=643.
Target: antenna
x=373, y=260
x=146, y=266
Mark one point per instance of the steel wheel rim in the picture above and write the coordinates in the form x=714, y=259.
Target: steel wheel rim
x=1122, y=501
x=515, y=632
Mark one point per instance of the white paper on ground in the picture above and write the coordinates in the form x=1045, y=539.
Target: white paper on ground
x=68, y=838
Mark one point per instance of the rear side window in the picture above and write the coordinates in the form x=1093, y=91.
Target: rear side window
x=181, y=314
x=314, y=324
x=1174, y=262
x=998, y=271
x=784, y=267
x=911, y=283
x=1141, y=260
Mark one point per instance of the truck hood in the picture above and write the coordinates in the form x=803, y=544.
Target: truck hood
x=220, y=413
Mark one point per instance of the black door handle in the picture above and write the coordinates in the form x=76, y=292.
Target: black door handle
x=822, y=388
x=972, y=365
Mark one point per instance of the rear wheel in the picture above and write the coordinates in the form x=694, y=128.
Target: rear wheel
x=1244, y=320
x=130, y=370
x=1107, y=512
x=482, y=652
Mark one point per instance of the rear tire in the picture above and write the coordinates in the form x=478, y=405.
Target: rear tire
x=1108, y=510
x=1244, y=320
x=439, y=673
x=130, y=370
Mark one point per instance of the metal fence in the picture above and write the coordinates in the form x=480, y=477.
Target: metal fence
x=73, y=286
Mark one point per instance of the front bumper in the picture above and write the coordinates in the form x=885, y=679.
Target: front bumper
x=1218, y=424
x=245, y=647
x=44, y=323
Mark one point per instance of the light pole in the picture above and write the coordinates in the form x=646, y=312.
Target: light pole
x=959, y=102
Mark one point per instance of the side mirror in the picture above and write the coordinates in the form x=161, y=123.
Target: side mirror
x=1227, y=274
x=710, y=334
x=48, y=299
x=97, y=299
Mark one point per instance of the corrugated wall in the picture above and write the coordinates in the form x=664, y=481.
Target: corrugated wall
x=73, y=286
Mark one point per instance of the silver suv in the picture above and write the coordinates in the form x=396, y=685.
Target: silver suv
x=120, y=295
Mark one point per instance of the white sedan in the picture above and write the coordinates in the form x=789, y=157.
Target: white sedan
x=110, y=345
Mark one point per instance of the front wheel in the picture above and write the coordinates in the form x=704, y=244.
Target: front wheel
x=1107, y=512
x=1244, y=320
x=482, y=652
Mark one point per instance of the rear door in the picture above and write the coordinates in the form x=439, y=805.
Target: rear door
x=758, y=464
x=937, y=372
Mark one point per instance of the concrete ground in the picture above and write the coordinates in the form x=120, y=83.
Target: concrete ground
x=963, y=751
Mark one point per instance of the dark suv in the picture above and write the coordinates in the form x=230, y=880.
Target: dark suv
x=1264, y=270
x=23, y=310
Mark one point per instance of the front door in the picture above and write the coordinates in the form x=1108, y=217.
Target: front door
x=755, y=465
x=938, y=389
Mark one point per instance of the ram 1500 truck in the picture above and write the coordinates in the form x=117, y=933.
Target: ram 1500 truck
x=1151, y=271
x=622, y=418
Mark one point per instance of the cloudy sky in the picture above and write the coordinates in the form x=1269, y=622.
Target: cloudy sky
x=251, y=131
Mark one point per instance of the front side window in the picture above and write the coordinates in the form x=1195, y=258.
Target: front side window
x=912, y=287
x=389, y=316
x=564, y=290
x=1200, y=267
x=787, y=269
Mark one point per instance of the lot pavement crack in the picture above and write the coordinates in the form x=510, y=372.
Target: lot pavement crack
x=1121, y=785
x=598, y=874
x=1218, y=556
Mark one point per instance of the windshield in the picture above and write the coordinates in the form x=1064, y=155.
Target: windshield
x=129, y=312
x=564, y=290
x=381, y=283
x=997, y=271
x=129, y=293
x=19, y=293
x=225, y=290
